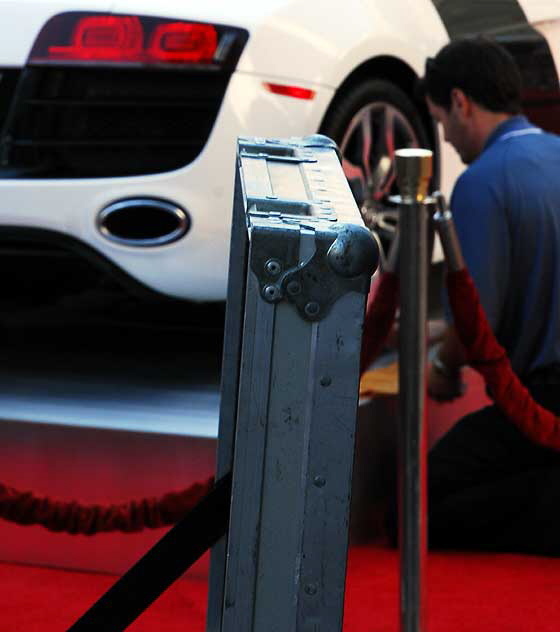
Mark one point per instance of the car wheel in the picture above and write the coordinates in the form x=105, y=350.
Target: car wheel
x=369, y=122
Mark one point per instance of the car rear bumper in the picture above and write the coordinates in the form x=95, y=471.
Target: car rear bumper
x=194, y=267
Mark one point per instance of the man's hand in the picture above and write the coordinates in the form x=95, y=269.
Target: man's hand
x=444, y=378
x=444, y=387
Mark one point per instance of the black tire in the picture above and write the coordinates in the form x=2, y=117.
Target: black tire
x=369, y=98
x=380, y=215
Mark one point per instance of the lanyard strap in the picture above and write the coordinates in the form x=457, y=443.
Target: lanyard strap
x=520, y=132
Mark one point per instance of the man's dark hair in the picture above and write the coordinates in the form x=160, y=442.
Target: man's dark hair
x=482, y=69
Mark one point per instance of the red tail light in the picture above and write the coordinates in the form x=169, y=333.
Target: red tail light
x=79, y=37
x=183, y=42
x=103, y=37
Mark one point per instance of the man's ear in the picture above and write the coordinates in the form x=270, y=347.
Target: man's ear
x=461, y=102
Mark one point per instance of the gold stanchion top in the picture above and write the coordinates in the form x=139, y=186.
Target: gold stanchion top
x=414, y=171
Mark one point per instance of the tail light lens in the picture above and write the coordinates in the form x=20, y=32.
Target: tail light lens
x=126, y=39
x=183, y=42
x=104, y=38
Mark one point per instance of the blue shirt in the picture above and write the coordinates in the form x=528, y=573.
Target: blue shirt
x=506, y=207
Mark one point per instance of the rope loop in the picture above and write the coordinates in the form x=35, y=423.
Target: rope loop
x=488, y=357
x=381, y=308
x=25, y=508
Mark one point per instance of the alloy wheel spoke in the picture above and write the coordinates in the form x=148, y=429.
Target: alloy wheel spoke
x=386, y=162
x=368, y=149
x=389, y=126
x=367, y=140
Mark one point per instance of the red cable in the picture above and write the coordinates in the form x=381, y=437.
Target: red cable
x=380, y=314
x=489, y=358
x=25, y=508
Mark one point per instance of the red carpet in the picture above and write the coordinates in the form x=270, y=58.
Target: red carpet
x=466, y=593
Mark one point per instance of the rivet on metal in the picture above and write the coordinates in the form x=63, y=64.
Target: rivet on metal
x=271, y=293
x=310, y=589
x=312, y=308
x=326, y=380
x=273, y=267
x=293, y=288
x=319, y=481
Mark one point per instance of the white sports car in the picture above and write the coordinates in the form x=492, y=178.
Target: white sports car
x=119, y=118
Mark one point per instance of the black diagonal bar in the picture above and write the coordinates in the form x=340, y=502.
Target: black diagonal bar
x=165, y=562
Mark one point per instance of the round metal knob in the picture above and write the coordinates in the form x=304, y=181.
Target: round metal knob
x=414, y=172
x=354, y=252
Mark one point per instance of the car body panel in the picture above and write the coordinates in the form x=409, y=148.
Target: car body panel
x=541, y=10
x=21, y=22
x=195, y=266
x=286, y=34
x=550, y=29
x=324, y=53
x=315, y=45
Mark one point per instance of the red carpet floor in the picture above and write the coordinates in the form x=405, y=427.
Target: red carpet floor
x=466, y=593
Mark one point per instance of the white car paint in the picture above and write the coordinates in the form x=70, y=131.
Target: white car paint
x=541, y=10
x=309, y=44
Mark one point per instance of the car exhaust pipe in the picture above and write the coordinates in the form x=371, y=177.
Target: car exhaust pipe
x=143, y=222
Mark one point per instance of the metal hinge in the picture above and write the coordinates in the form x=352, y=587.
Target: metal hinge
x=312, y=268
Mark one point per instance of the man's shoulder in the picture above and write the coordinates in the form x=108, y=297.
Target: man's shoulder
x=541, y=146
x=479, y=174
x=510, y=156
x=521, y=150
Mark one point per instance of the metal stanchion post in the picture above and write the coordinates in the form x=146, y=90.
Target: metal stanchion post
x=392, y=261
x=414, y=170
x=443, y=222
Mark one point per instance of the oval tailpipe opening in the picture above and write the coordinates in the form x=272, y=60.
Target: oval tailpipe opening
x=143, y=222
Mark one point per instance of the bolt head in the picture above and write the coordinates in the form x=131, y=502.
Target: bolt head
x=271, y=293
x=319, y=481
x=273, y=267
x=312, y=308
x=293, y=288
